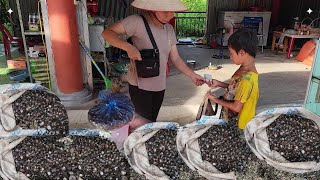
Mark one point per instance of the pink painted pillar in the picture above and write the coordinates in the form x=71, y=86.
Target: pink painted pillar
x=65, y=45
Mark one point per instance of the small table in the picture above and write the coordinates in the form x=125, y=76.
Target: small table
x=292, y=37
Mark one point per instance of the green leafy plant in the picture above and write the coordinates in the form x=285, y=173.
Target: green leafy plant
x=4, y=19
x=3, y=11
x=196, y=5
x=9, y=27
x=192, y=24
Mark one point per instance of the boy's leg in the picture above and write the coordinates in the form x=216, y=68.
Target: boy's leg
x=142, y=101
x=156, y=103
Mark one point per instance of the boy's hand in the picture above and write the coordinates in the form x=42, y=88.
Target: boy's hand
x=213, y=83
x=209, y=95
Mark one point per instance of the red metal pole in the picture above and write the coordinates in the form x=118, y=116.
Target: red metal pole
x=65, y=45
x=290, y=48
x=275, y=12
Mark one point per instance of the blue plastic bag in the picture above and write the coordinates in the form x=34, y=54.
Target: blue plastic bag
x=113, y=111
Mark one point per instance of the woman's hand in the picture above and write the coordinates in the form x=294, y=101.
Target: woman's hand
x=197, y=79
x=133, y=53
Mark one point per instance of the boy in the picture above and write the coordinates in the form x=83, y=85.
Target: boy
x=242, y=93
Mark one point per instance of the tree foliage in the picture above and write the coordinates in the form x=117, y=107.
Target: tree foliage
x=196, y=5
x=4, y=16
x=3, y=11
x=192, y=24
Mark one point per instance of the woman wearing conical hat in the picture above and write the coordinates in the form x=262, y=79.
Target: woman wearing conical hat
x=147, y=93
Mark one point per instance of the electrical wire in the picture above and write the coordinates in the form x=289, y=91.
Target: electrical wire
x=313, y=21
x=44, y=44
x=306, y=19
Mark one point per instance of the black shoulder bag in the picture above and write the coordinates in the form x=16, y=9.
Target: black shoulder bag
x=149, y=66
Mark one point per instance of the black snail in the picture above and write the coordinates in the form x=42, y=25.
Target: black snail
x=36, y=109
x=296, y=138
x=224, y=149
x=68, y=157
x=162, y=152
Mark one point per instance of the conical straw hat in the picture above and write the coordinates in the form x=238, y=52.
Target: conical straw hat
x=159, y=5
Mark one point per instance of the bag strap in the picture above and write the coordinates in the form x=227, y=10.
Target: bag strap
x=207, y=109
x=154, y=44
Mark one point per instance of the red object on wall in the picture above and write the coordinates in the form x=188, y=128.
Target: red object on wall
x=256, y=9
x=275, y=12
x=65, y=45
x=8, y=39
x=92, y=6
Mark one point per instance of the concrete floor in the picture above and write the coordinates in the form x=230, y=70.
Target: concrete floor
x=282, y=81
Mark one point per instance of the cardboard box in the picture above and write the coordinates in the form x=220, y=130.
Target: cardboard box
x=18, y=63
x=40, y=48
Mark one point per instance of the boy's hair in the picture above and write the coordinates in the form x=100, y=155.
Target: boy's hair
x=245, y=39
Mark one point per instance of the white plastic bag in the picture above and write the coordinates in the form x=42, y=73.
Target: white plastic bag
x=7, y=165
x=7, y=162
x=9, y=142
x=8, y=94
x=257, y=138
x=136, y=152
x=189, y=149
x=206, y=109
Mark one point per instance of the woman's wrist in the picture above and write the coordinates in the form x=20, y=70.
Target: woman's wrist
x=126, y=46
x=190, y=74
x=221, y=84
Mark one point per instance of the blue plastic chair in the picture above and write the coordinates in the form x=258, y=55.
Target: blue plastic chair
x=256, y=24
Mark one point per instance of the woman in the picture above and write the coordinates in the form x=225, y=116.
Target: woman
x=147, y=93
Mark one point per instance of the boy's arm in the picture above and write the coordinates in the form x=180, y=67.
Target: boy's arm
x=235, y=106
x=222, y=84
x=216, y=83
